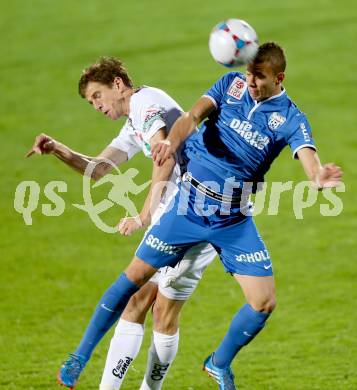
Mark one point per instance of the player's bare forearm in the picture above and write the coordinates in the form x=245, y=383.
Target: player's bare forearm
x=310, y=162
x=322, y=176
x=44, y=144
x=102, y=164
x=182, y=129
x=79, y=162
x=76, y=161
x=160, y=176
x=187, y=123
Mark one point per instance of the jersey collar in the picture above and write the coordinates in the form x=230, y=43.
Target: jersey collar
x=283, y=92
x=258, y=104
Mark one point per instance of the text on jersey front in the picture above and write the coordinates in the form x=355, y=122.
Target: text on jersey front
x=244, y=129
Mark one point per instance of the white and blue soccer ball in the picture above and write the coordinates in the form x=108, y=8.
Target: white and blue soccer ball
x=233, y=43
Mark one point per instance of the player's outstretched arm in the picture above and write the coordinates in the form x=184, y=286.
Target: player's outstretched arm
x=182, y=129
x=160, y=176
x=322, y=176
x=45, y=144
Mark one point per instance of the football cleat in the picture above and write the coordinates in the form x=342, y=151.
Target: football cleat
x=71, y=370
x=223, y=376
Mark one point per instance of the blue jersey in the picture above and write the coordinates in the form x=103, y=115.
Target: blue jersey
x=242, y=137
x=239, y=140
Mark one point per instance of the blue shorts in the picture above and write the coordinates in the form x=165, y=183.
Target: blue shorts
x=190, y=221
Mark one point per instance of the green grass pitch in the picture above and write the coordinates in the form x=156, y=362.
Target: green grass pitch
x=53, y=272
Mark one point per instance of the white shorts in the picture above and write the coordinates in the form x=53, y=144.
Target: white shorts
x=180, y=282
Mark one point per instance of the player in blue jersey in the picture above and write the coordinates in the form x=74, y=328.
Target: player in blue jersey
x=249, y=121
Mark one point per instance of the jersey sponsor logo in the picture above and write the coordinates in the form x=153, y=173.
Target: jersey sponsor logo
x=153, y=114
x=254, y=257
x=120, y=369
x=160, y=245
x=305, y=133
x=237, y=88
x=275, y=120
x=159, y=371
x=253, y=137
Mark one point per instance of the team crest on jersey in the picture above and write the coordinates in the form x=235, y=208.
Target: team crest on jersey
x=237, y=88
x=275, y=120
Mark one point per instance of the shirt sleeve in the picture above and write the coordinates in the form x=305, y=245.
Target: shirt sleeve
x=125, y=142
x=153, y=119
x=301, y=135
x=219, y=89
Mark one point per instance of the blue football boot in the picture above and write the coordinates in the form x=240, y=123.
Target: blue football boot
x=71, y=369
x=223, y=376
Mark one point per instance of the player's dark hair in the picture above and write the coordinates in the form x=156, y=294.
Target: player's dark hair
x=274, y=54
x=104, y=71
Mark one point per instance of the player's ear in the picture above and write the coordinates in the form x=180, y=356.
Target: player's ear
x=117, y=83
x=280, y=77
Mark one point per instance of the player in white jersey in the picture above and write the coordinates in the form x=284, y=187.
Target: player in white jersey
x=151, y=113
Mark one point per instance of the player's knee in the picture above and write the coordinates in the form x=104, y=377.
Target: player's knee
x=164, y=321
x=264, y=304
x=136, y=304
x=134, y=311
x=270, y=305
x=140, y=303
x=139, y=272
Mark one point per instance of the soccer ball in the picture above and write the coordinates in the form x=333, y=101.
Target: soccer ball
x=233, y=43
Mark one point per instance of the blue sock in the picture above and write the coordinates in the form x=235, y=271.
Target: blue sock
x=246, y=324
x=109, y=309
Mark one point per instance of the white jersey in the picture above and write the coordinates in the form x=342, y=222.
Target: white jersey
x=150, y=110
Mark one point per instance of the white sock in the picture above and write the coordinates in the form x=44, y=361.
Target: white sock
x=124, y=347
x=162, y=352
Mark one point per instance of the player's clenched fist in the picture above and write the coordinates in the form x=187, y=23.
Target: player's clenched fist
x=43, y=145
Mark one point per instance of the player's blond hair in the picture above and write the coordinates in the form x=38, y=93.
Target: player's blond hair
x=104, y=71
